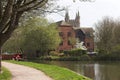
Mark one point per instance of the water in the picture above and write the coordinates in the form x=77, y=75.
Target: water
x=93, y=70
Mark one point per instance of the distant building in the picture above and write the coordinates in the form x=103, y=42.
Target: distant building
x=70, y=30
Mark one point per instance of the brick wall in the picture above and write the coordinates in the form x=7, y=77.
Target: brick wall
x=65, y=32
x=89, y=43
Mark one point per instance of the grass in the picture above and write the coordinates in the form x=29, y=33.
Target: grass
x=55, y=72
x=6, y=75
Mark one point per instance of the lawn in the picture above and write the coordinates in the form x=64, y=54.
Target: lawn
x=55, y=72
x=6, y=75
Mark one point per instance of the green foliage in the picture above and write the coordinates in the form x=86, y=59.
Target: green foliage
x=36, y=35
x=41, y=38
x=108, y=57
x=15, y=42
x=57, y=73
x=54, y=53
x=72, y=40
x=6, y=75
x=75, y=52
x=116, y=49
x=114, y=55
x=84, y=57
x=108, y=35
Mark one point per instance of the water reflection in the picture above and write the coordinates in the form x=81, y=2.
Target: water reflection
x=96, y=71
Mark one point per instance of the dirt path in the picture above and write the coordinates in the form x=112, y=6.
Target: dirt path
x=20, y=72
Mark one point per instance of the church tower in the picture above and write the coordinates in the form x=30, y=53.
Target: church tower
x=77, y=20
x=67, y=17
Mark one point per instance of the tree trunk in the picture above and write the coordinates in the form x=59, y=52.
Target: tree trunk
x=0, y=52
x=0, y=58
x=10, y=15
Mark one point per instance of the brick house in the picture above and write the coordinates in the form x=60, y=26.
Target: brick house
x=66, y=31
x=71, y=29
x=89, y=38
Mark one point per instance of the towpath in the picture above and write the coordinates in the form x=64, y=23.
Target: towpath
x=20, y=72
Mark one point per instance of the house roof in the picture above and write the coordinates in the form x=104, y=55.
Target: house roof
x=87, y=30
x=59, y=23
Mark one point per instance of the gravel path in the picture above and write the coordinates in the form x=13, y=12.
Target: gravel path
x=20, y=72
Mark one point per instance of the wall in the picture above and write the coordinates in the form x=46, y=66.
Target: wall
x=89, y=40
x=65, y=29
x=7, y=57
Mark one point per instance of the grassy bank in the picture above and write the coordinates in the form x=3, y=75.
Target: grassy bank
x=6, y=75
x=55, y=72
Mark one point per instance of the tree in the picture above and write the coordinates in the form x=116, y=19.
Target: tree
x=10, y=13
x=14, y=43
x=108, y=34
x=41, y=39
x=72, y=41
x=116, y=36
x=104, y=34
x=36, y=36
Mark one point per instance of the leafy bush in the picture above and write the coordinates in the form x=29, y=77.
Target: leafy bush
x=53, y=53
x=108, y=57
x=84, y=57
x=75, y=52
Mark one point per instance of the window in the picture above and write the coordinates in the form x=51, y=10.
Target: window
x=88, y=34
x=88, y=44
x=69, y=34
x=69, y=42
x=61, y=34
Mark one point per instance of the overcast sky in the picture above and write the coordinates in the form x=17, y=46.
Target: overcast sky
x=90, y=12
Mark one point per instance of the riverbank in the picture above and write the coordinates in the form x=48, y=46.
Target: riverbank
x=85, y=57
x=55, y=72
x=5, y=75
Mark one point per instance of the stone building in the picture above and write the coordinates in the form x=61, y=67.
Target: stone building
x=70, y=30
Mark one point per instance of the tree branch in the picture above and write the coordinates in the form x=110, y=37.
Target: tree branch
x=27, y=4
x=12, y=25
x=32, y=6
x=1, y=10
x=7, y=14
x=19, y=2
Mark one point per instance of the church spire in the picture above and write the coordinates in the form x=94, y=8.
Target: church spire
x=77, y=16
x=67, y=17
x=77, y=19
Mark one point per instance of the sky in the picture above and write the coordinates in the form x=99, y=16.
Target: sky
x=90, y=12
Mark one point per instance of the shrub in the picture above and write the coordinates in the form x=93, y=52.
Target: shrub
x=84, y=57
x=53, y=53
x=75, y=52
x=108, y=57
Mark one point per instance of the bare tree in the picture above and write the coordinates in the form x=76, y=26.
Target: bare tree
x=104, y=34
x=116, y=36
x=108, y=35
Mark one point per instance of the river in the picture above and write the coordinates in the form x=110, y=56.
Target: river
x=93, y=70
